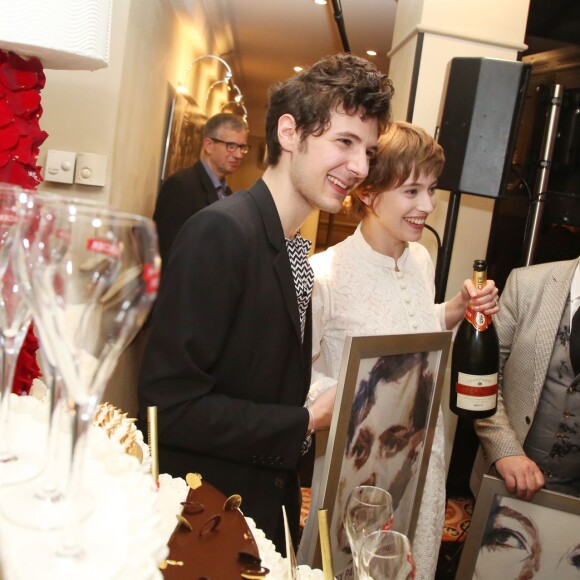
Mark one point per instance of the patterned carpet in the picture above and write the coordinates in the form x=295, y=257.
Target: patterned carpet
x=457, y=517
x=305, y=505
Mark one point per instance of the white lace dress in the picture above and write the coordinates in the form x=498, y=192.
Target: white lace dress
x=358, y=292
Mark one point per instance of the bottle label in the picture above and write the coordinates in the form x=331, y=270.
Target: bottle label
x=476, y=392
x=479, y=320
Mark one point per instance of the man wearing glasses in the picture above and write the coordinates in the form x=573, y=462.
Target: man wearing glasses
x=225, y=142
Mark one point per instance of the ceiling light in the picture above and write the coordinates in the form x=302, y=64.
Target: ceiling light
x=297, y=68
x=372, y=52
x=321, y=2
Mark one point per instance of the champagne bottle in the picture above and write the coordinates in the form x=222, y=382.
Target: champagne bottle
x=475, y=360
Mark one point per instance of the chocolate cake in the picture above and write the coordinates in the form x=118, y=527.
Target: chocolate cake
x=213, y=541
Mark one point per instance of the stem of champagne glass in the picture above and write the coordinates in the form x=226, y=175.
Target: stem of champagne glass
x=71, y=544
x=10, y=349
x=49, y=488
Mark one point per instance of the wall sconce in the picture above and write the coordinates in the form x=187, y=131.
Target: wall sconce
x=238, y=99
x=230, y=107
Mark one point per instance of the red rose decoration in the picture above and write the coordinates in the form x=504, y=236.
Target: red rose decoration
x=27, y=368
x=21, y=81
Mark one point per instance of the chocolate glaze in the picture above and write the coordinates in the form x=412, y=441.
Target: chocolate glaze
x=213, y=555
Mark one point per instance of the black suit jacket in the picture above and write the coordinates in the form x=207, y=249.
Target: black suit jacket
x=182, y=194
x=225, y=364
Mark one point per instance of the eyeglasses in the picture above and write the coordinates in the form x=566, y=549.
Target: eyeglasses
x=231, y=146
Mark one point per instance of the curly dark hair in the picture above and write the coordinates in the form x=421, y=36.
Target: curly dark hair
x=342, y=81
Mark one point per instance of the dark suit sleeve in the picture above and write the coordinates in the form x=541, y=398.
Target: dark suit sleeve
x=203, y=407
x=182, y=194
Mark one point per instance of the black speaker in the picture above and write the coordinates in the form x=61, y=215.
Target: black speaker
x=482, y=108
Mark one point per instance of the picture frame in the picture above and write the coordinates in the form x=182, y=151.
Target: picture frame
x=400, y=378
x=184, y=136
x=513, y=538
x=169, y=110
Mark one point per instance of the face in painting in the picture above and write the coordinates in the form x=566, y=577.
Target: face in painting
x=386, y=442
x=523, y=541
x=325, y=168
x=398, y=216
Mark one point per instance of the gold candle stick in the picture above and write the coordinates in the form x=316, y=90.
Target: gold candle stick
x=152, y=441
x=324, y=534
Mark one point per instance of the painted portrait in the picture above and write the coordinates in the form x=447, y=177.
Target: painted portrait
x=514, y=539
x=388, y=396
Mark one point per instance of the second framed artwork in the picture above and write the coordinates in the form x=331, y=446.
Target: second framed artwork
x=184, y=135
x=512, y=538
x=387, y=402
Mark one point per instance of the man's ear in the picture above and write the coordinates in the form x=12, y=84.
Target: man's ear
x=288, y=136
x=207, y=145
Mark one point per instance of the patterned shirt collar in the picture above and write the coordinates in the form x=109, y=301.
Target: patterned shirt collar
x=302, y=273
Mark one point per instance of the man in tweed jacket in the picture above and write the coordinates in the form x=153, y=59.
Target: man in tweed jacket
x=529, y=323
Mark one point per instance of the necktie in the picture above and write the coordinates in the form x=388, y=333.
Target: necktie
x=575, y=342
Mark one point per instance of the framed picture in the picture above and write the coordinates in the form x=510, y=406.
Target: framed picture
x=382, y=429
x=169, y=110
x=512, y=538
x=185, y=134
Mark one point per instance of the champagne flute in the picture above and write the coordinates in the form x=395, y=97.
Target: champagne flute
x=386, y=555
x=14, y=321
x=39, y=504
x=368, y=509
x=10, y=202
x=92, y=275
x=15, y=465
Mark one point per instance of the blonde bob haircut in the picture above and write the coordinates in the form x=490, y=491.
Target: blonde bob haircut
x=404, y=150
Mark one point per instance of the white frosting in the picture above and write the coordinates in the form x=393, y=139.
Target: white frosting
x=123, y=536
x=63, y=34
x=126, y=534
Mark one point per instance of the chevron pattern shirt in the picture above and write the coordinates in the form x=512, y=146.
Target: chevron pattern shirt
x=302, y=273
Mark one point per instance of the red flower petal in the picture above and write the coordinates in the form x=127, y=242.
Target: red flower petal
x=27, y=368
x=17, y=79
x=38, y=138
x=17, y=174
x=8, y=137
x=31, y=64
x=6, y=115
x=31, y=129
x=4, y=158
x=24, y=103
x=22, y=153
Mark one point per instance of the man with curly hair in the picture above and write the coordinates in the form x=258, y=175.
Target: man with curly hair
x=229, y=356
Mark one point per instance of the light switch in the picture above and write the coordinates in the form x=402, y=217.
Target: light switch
x=91, y=169
x=60, y=166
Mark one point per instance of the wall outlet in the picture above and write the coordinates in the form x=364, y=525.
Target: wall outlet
x=60, y=166
x=91, y=169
